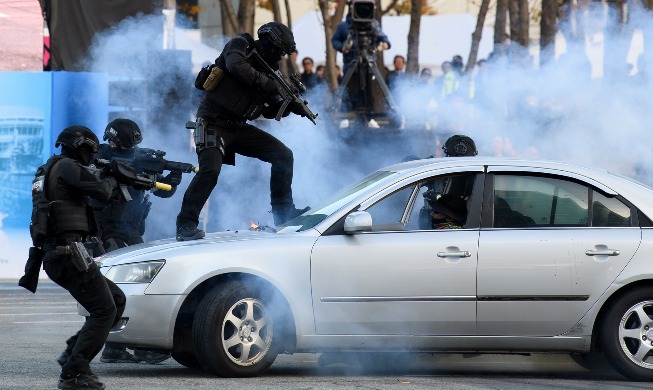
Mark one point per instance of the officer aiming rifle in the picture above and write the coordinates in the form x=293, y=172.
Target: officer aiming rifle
x=126, y=176
x=289, y=94
x=151, y=162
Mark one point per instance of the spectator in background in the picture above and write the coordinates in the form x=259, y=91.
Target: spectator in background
x=425, y=75
x=308, y=77
x=397, y=74
x=338, y=74
x=320, y=72
x=448, y=83
x=292, y=62
x=457, y=64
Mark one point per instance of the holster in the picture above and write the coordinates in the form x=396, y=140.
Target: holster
x=95, y=247
x=79, y=256
x=30, y=280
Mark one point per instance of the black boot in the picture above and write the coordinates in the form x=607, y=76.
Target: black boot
x=150, y=357
x=284, y=213
x=188, y=233
x=116, y=354
x=80, y=381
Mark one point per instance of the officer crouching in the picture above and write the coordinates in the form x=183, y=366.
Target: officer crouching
x=61, y=221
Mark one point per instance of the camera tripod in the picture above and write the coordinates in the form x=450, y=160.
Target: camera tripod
x=365, y=66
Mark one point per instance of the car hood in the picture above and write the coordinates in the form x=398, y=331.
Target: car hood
x=161, y=248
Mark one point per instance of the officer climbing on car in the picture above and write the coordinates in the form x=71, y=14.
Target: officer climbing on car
x=242, y=85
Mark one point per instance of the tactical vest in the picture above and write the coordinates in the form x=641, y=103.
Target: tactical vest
x=231, y=97
x=38, y=226
x=65, y=213
x=120, y=213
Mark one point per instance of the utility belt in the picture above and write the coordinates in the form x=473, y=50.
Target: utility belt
x=81, y=260
x=206, y=134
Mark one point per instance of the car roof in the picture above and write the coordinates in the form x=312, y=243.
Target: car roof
x=445, y=162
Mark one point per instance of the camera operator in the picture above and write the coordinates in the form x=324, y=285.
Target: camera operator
x=61, y=221
x=358, y=35
x=344, y=38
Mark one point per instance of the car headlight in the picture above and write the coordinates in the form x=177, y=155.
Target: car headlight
x=135, y=272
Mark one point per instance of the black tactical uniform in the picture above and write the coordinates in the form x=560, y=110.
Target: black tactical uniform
x=455, y=146
x=122, y=223
x=244, y=92
x=67, y=184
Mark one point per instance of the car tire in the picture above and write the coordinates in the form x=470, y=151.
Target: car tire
x=627, y=335
x=186, y=359
x=233, y=331
x=592, y=361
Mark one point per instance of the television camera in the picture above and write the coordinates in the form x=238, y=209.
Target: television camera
x=362, y=71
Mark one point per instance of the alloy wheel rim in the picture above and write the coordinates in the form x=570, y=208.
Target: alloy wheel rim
x=246, y=332
x=636, y=334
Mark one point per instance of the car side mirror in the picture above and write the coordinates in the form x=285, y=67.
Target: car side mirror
x=358, y=221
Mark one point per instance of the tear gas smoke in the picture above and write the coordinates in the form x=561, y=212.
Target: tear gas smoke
x=557, y=112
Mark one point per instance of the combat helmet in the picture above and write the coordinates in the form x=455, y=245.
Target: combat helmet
x=279, y=35
x=74, y=137
x=459, y=146
x=123, y=132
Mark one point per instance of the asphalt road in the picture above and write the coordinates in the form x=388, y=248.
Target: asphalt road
x=33, y=329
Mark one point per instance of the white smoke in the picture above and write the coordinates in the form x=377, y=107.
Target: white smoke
x=558, y=112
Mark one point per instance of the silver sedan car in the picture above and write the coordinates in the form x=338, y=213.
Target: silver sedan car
x=439, y=255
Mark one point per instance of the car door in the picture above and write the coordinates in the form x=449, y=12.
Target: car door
x=549, y=246
x=402, y=278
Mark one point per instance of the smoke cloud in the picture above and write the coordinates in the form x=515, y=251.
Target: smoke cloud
x=561, y=111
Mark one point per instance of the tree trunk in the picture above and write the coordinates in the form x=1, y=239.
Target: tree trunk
x=337, y=16
x=515, y=26
x=524, y=22
x=412, y=54
x=246, y=11
x=290, y=64
x=228, y=16
x=330, y=67
x=548, y=30
x=500, y=22
x=276, y=10
x=276, y=16
x=476, y=35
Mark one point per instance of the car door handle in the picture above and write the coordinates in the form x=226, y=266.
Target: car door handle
x=455, y=254
x=603, y=252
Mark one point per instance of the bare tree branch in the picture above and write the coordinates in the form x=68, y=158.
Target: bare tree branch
x=330, y=67
x=390, y=7
x=476, y=35
x=229, y=14
x=412, y=63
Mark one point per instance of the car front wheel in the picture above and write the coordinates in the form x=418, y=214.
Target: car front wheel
x=627, y=337
x=233, y=331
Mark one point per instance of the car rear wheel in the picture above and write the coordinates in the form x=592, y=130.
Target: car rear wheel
x=627, y=337
x=233, y=331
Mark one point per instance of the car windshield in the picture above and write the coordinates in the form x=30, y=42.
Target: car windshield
x=320, y=212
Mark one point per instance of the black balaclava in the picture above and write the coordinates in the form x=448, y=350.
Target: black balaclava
x=83, y=154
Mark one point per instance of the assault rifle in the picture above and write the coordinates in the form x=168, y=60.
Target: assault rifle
x=126, y=176
x=288, y=93
x=151, y=162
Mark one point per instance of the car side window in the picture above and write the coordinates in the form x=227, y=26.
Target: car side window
x=609, y=212
x=388, y=213
x=534, y=201
x=458, y=188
